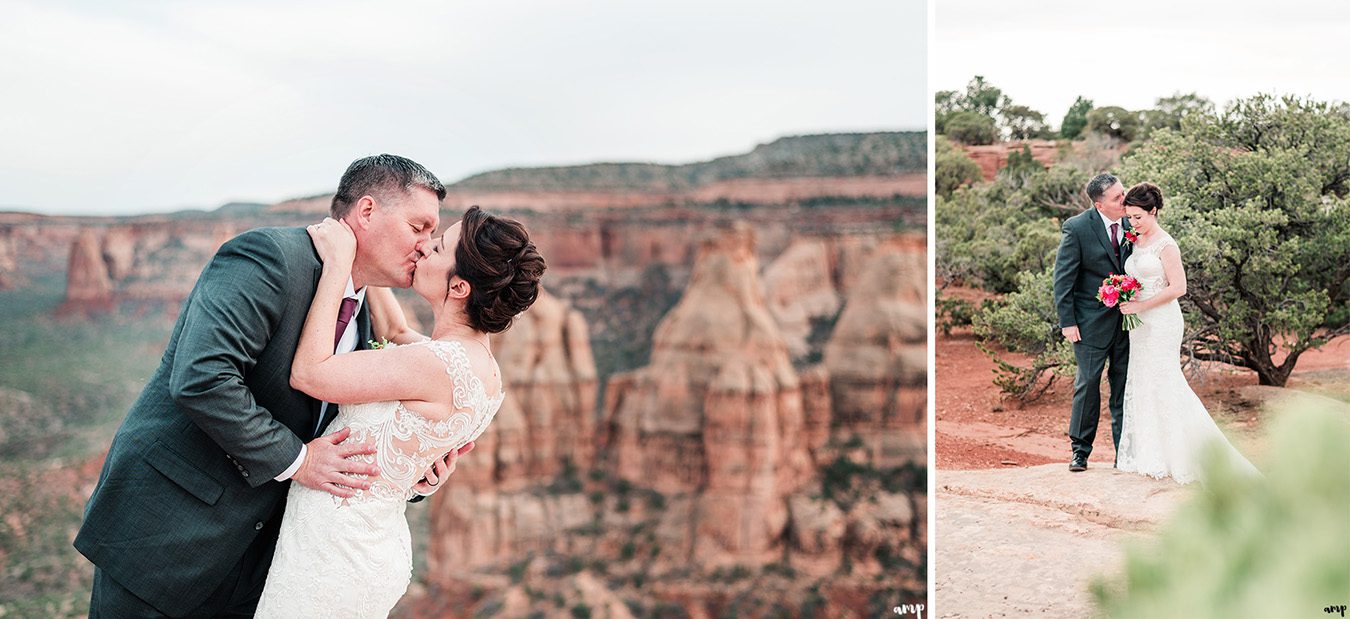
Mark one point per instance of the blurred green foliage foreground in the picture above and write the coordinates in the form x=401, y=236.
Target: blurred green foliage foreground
x=1277, y=546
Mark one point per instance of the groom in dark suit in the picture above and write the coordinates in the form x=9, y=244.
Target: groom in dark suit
x=1093, y=247
x=185, y=515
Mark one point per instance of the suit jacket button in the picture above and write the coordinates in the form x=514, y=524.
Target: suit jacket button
x=244, y=472
x=258, y=527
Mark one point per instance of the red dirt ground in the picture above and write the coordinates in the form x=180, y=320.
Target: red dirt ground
x=976, y=428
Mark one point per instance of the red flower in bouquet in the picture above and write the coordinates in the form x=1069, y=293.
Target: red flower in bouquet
x=1118, y=289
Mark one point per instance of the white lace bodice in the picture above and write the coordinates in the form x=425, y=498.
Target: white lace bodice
x=353, y=557
x=1145, y=264
x=406, y=442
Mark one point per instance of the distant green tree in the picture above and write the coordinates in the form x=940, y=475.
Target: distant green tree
x=1257, y=200
x=1075, y=121
x=945, y=103
x=1023, y=123
x=1243, y=544
x=982, y=97
x=952, y=169
x=1116, y=122
x=1168, y=112
x=972, y=128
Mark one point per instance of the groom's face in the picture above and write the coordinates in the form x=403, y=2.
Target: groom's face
x=398, y=227
x=1112, y=203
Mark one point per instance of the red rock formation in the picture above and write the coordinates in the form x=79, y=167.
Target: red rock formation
x=88, y=287
x=9, y=263
x=877, y=357
x=800, y=287
x=493, y=510
x=740, y=190
x=993, y=157
x=717, y=415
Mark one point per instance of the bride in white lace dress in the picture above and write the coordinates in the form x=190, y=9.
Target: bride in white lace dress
x=1167, y=428
x=415, y=400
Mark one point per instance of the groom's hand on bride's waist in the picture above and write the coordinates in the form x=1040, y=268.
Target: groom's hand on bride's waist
x=328, y=466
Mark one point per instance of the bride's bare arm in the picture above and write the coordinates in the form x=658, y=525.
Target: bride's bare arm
x=387, y=318
x=359, y=376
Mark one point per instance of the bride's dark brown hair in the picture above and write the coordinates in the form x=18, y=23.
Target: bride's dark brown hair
x=502, y=266
x=1146, y=196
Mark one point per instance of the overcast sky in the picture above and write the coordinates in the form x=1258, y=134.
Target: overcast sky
x=133, y=107
x=1045, y=53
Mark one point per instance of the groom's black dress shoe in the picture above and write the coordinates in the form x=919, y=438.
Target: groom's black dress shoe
x=1079, y=463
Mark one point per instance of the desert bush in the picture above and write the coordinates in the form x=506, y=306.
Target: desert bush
x=1113, y=121
x=1025, y=322
x=1024, y=123
x=1277, y=542
x=988, y=233
x=1168, y=112
x=971, y=128
x=952, y=168
x=1257, y=200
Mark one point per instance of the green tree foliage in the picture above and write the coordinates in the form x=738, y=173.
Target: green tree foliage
x=1168, y=112
x=1278, y=542
x=1025, y=322
x=1075, y=121
x=952, y=168
x=1257, y=200
x=972, y=128
x=1024, y=123
x=1116, y=122
x=989, y=232
x=982, y=100
x=982, y=97
x=945, y=103
x=1021, y=163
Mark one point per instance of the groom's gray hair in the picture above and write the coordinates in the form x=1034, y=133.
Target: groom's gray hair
x=379, y=175
x=1098, y=186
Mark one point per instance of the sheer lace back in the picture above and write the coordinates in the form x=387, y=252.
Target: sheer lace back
x=407, y=442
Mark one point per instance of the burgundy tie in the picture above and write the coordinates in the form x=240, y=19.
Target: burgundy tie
x=1115, y=242
x=344, y=317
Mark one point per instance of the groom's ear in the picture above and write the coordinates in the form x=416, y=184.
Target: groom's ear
x=362, y=211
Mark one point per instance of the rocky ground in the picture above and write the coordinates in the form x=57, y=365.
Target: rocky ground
x=1017, y=534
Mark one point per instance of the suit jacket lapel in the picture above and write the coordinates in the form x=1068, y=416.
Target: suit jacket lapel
x=1104, y=238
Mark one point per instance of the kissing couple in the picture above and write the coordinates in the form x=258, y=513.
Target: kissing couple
x=267, y=465
x=1159, y=427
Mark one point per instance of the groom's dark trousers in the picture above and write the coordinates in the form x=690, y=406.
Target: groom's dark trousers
x=186, y=511
x=1085, y=257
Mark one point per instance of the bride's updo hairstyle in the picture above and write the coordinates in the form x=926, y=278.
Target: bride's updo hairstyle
x=502, y=266
x=1146, y=196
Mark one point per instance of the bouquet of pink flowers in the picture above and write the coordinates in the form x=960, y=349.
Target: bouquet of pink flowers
x=1117, y=289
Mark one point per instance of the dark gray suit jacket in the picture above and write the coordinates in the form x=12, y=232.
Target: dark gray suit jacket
x=1084, y=259
x=188, y=482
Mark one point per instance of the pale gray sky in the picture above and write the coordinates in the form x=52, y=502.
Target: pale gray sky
x=1044, y=53
x=136, y=106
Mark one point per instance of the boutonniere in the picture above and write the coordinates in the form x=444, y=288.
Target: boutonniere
x=1131, y=236
x=377, y=345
